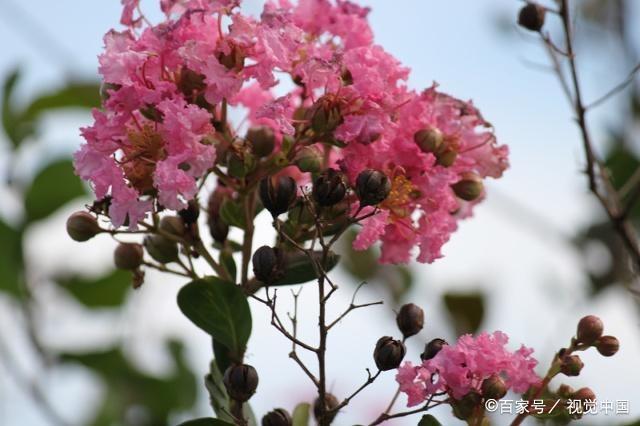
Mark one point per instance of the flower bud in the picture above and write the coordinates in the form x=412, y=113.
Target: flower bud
x=388, y=353
x=372, y=187
x=218, y=229
x=325, y=115
x=429, y=139
x=531, y=17
x=330, y=403
x=241, y=382
x=262, y=140
x=82, y=226
x=161, y=249
x=240, y=162
x=309, y=159
x=277, y=417
x=565, y=391
x=268, y=264
x=584, y=394
x=607, y=345
x=329, y=188
x=493, y=387
x=466, y=406
x=446, y=157
x=277, y=194
x=191, y=213
x=128, y=256
x=589, y=330
x=469, y=187
x=432, y=348
x=571, y=365
x=410, y=319
x=173, y=225
x=232, y=60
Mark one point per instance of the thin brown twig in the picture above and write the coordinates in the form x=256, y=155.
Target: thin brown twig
x=616, y=89
x=596, y=171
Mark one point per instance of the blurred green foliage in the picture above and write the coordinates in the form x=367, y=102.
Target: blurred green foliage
x=130, y=395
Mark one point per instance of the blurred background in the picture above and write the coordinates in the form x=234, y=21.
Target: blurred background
x=78, y=346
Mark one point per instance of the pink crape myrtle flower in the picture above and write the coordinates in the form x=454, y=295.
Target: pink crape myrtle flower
x=168, y=85
x=458, y=369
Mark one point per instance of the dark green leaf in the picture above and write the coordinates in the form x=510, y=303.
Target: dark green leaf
x=301, y=414
x=466, y=311
x=228, y=263
x=222, y=355
x=53, y=187
x=300, y=269
x=11, y=262
x=206, y=421
x=107, y=291
x=428, y=420
x=219, y=308
x=8, y=113
x=231, y=213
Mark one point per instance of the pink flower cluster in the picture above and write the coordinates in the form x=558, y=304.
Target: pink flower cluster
x=167, y=88
x=460, y=368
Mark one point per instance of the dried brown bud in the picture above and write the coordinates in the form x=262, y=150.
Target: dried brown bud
x=571, y=365
x=493, y=387
x=277, y=194
x=432, y=348
x=330, y=404
x=531, y=17
x=262, y=140
x=410, y=319
x=607, y=345
x=589, y=330
x=82, y=226
x=372, y=187
x=277, y=417
x=191, y=213
x=388, y=353
x=128, y=256
x=469, y=187
x=268, y=264
x=241, y=382
x=329, y=188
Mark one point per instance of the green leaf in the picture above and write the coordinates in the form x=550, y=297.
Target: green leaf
x=301, y=414
x=218, y=397
x=11, y=261
x=205, y=421
x=228, y=263
x=8, y=113
x=300, y=269
x=219, y=308
x=232, y=214
x=466, y=311
x=53, y=187
x=127, y=388
x=222, y=355
x=109, y=290
x=19, y=125
x=429, y=420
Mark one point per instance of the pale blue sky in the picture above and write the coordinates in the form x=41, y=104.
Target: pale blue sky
x=455, y=43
